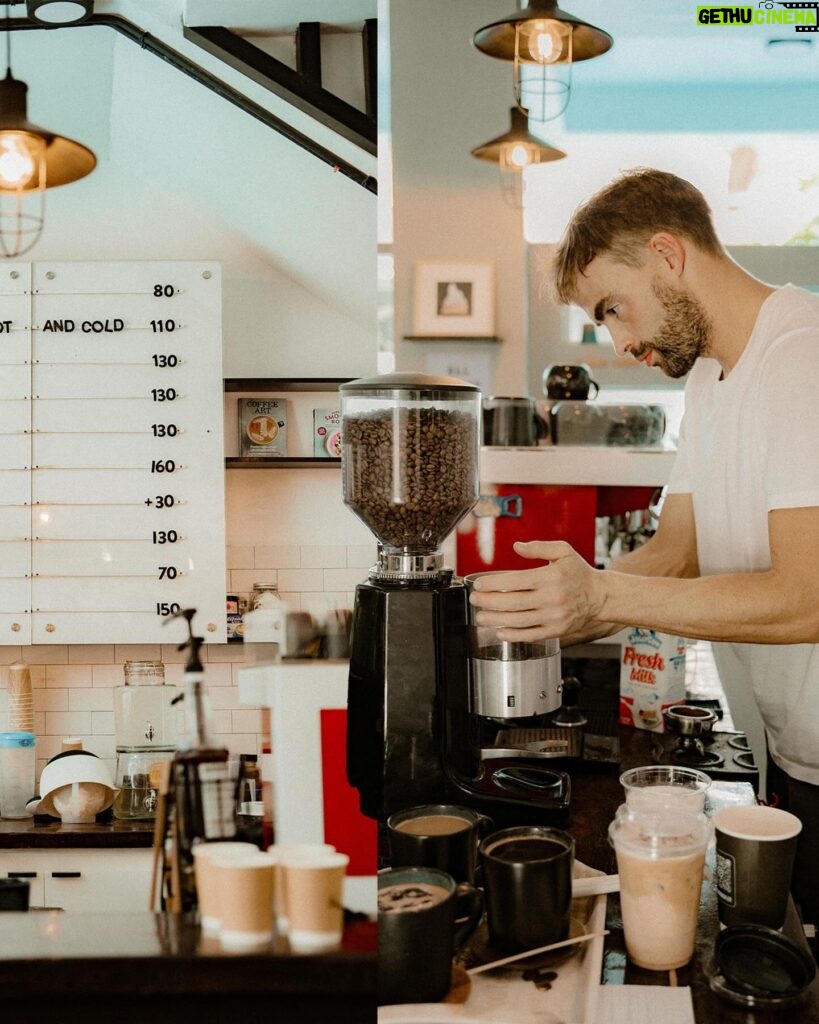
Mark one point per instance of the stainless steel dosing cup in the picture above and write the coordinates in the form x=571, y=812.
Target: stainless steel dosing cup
x=510, y=680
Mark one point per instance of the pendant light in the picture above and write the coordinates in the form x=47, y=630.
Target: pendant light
x=32, y=159
x=536, y=40
x=59, y=12
x=512, y=152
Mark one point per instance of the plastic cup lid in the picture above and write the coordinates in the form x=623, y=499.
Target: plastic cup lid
x=757, y=966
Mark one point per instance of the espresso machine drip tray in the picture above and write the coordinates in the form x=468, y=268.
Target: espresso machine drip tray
x=536, y=743
x=534, y=792
x=722, y=755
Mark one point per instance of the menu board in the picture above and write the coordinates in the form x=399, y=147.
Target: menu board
x=112, y=469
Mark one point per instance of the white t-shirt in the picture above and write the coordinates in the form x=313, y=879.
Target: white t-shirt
x=750, y=444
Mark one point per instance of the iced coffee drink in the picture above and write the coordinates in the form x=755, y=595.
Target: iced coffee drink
x=660, y=860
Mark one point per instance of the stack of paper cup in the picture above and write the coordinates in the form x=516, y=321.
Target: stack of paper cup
x=313, y=893
x=21, y=710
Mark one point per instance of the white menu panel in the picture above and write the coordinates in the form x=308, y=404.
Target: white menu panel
x=123, y=444
x=15, y=453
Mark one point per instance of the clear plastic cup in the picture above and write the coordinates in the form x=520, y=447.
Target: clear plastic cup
x=665, y=785
x=660, y=860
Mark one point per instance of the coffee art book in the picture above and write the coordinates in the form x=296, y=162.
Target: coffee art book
x=262, y=427
x=652, y=678
x=327, y=433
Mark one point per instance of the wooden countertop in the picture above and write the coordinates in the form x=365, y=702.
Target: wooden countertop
x=50, y=833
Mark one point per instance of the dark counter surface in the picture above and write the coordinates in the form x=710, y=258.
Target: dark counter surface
x=595, y=798
x=50, y=833
x=159, y=967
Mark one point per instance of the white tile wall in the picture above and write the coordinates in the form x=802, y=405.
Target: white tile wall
x=73, y=686
x=286, y=527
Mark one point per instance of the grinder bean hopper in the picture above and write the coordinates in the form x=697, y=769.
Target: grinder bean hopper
x=418, y=693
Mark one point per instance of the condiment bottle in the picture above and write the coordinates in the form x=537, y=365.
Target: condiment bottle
x=204, y=792
x=265, y=625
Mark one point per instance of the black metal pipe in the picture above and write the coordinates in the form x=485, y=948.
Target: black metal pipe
x=179, y=61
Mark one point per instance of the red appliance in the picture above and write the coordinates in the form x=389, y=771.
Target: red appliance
x=506, y=513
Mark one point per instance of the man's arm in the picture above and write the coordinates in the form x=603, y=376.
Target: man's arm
x=658, y=587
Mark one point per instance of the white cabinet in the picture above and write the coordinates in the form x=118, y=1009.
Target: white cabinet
x=87, y=880
x=111, y=463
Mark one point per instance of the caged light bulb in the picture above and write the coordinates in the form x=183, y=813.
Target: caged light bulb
x=18, y=159
x=545, y=42
x=519, y=156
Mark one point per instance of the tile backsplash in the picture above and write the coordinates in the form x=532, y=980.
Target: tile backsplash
x=72, y=685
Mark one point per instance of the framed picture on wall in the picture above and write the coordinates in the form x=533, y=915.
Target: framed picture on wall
x=454, y=299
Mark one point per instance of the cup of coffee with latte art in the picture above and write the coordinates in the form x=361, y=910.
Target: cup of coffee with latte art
x=443, y=836
x=417, y=936
x=527, y=877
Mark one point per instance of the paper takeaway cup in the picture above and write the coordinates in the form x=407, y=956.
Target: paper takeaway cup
x=207, y=888
x=313, y=901
x=245, y=884
x=293, y=851
x=756, y=848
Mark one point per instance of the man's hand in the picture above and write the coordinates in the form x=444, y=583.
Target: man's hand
x=561, y=599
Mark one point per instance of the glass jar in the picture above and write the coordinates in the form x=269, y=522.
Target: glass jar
x=410, y=445
x=144, y=715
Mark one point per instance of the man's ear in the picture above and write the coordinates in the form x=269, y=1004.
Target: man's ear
x=669, y=251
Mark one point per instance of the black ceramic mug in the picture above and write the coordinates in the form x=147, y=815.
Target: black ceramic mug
x=527, y=878
x=417, y=933
x=443, y=836
x=569, y=382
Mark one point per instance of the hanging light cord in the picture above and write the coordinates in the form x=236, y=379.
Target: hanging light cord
x=8, y=41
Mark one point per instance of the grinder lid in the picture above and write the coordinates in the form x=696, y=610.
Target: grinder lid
x=408, y=382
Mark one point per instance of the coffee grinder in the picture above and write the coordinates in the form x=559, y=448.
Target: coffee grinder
x=419, y=696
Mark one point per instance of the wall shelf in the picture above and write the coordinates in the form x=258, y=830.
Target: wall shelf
x=440, y=337
x=284, y=383
x=272, y=385
x=282, y=462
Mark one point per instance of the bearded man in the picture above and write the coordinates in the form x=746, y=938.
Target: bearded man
x=735, y=558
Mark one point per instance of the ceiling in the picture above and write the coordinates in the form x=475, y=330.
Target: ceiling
x=662, y=42
x=173, y=150
x=171, y=147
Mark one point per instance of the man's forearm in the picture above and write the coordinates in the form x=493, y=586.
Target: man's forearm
x=739, y=607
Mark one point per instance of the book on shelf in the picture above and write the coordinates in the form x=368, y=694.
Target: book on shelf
x=262, y=428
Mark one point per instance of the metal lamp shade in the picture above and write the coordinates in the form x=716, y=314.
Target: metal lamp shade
x=497, y=150
x=507, y=39
x=65, y=159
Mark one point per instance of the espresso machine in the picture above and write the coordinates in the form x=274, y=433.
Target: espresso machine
x=426, y=683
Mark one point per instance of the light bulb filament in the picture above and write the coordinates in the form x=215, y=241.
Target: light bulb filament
x=545, y=41
x=18, y=163
x=519, y=156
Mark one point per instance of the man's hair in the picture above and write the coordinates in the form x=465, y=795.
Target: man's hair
x=619, y=220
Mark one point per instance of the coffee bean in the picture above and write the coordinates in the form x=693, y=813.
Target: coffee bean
x=410, y=474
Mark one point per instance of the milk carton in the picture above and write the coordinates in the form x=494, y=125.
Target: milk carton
x=652, y=677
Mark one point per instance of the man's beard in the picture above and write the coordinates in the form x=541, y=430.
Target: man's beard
x=685, y=333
